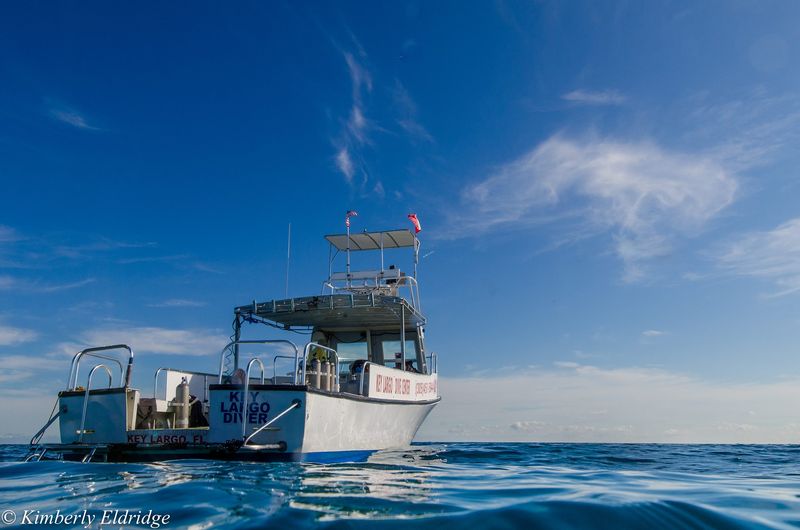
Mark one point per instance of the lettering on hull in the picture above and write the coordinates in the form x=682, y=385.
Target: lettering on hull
x=389, y=383
x=167, y=439
x=231, y=409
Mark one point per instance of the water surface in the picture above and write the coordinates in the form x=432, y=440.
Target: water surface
x=448, y=485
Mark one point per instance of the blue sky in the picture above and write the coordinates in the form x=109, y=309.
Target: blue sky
x=608, y=196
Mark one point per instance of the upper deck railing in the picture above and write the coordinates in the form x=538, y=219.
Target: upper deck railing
x=391, y=282
x=388, y=281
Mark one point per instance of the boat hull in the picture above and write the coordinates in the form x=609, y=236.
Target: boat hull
x=316, y=426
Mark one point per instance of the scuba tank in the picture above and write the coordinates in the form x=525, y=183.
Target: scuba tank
x=182, y=402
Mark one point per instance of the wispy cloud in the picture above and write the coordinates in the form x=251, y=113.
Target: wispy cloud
x=72, y=118
x=9, y=235
x=355, y=132
x=178, y=302
x=746, y=131
x=651, y=333
x=194, y=342
x=101, y=244
x=772, y=255
x=69, y=116
x=152, y=259
x=345, y=163
x=52, y=288
x=378, y=189
x=8, y=283
x=601, y=97
x=407, y=110
x=11, y=336
x=643, y=195
x=550, y=404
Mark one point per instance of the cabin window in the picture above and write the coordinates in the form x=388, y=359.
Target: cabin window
x=391, y=354
x=350, y=346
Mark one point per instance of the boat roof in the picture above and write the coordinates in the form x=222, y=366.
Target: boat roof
x=374, y=240
x=368, y=310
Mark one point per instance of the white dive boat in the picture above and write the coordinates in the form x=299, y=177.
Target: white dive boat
x=363, y=383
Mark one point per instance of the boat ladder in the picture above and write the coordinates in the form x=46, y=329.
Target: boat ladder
x=36, y=451
x=88, y=458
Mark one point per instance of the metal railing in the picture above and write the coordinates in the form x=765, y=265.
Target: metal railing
x=433, y=363
x=265, y=341
x=247, y=389
x=275, y=368
x=176, y=370
x=379, y=281
x=82, y=430
x=361, y=377
x=124, y=377
x=330, y=351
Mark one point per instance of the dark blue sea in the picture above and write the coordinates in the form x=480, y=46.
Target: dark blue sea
x=445, y=485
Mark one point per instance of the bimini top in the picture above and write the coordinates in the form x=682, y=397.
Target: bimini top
x=330, y=311
x=374, y=240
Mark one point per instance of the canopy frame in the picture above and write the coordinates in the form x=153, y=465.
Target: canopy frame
x=363, y=241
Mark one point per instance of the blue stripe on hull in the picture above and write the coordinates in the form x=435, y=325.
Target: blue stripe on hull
x=332, y=457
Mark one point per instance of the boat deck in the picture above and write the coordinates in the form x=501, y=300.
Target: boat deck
x=336, y=310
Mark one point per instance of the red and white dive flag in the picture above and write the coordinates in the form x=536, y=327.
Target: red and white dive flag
x=348, y=215
x=413, y=218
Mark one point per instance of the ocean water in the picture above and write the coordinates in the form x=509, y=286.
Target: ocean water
x=446, y=485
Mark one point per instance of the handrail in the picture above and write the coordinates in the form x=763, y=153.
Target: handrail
x=247, y=388
x=307, y=350
x=266, y=341
x=165, y=369
x=274, y=366
x=433, y=365
x=92, y=352
x=73, y=377
x=295, y=404
x=361, y=380
x=418, y=304
x=86, y=397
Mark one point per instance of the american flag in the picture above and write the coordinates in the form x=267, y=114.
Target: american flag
x=348, y=215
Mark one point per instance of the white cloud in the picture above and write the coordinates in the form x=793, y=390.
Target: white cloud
x=357, y=127
x=10, y=336
x=601, y=97
x=179, y=302
x=528, y=425
x=378, y=189
x=653, y=333
x=357, y=124
x=8, y=234
x=345, y=163
x=160, y=340
x=8, y=283
x=71, y=117
x=51, y=288
x=746, y=131
x=773, y=255
x=643, y=195
x=586, y=403
x=153, y=259
x=407, y=110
